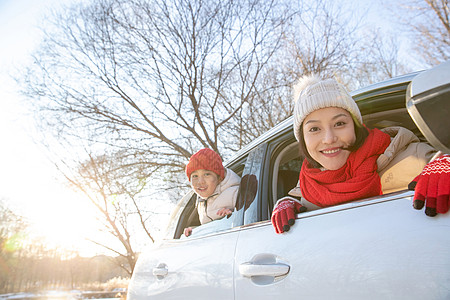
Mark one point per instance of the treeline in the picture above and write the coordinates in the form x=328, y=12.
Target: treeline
x=29, y=265
x=52, y=270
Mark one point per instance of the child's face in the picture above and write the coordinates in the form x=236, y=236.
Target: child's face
x=204, y=182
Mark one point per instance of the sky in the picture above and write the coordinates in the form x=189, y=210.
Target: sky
x=29, y=183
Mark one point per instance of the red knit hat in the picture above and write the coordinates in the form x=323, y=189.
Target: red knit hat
x=205, y=159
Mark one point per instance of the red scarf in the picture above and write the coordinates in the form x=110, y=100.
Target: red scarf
x=357, y=179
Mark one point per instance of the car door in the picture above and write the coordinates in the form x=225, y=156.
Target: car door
x=375, y=249
x=195, y=267
x=200, y=266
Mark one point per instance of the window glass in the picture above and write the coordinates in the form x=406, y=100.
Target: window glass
x=250, y=185
x=294, y=164
x=214, y=226
x=179, y=218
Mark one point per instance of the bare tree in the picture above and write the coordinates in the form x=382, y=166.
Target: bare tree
x=428, y=25
x=158, y=78
x=322, y=39
x=106, y=181
x=319, y=37
x=378, y=59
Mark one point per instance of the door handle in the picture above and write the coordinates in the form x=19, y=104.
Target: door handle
x=251, y=269
x=160, y=271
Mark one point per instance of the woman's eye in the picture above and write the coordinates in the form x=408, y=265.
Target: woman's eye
x=340, y=123
x=313, y=129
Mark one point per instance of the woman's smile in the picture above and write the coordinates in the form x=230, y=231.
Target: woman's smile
x=331, y=152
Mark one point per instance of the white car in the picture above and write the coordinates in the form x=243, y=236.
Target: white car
x=377, y=248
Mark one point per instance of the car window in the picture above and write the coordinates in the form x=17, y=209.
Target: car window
x=286, y=169
x=180, y=216
x=252, y=209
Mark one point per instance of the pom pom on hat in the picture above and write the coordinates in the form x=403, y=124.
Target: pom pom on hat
x=312, y=93
x=205, y=159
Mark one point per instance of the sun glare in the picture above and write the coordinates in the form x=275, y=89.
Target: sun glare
x=68, y=222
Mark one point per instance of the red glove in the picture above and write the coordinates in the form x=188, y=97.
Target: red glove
x=432, y=187
x=283, y=215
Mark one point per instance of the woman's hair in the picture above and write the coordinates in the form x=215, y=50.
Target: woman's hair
x=361, y=133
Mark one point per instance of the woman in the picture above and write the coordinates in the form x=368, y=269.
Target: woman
x=346, y=161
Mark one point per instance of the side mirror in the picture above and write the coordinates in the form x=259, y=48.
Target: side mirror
x=428, y=104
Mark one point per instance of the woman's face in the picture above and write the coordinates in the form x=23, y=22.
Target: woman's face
x=327, y=132
x=204, y=182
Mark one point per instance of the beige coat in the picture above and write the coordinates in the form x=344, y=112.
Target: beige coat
x=223, y=197
x=402, y=160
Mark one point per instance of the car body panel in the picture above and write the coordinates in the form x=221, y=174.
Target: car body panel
x=379, y=249
x=195, y=268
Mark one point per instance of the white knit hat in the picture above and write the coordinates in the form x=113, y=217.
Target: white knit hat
x=312, y=93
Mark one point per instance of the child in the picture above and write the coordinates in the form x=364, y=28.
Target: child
x=216, y=187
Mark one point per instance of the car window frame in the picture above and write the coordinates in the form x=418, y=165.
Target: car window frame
x=276, y=146
x=187, y=206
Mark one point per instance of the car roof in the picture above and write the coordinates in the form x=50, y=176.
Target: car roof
x=382, y=85
x=371, y=98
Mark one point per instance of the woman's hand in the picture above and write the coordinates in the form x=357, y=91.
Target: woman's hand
x=283, y=215
x=432, y=187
